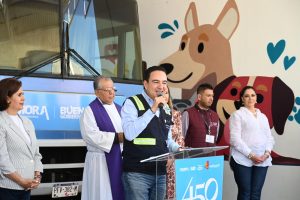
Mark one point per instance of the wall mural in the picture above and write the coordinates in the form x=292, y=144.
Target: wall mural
x=204, y=55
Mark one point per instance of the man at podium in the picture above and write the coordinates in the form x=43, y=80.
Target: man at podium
x=146, y=123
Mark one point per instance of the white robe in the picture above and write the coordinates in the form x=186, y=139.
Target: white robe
x=96, y=183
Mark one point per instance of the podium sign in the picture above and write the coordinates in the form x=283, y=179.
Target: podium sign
x=199, y=178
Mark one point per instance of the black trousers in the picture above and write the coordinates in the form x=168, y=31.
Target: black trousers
x=10, y=194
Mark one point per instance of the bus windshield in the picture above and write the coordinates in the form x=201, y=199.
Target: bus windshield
x=68, y=38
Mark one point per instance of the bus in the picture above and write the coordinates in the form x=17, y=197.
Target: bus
x=56, y=48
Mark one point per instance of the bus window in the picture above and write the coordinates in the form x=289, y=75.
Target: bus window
x=67, y=38
x=109, y=56
x=133, y=67
x=110, y=42
x=29, y=33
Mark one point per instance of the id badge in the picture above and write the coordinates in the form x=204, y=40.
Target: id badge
x=210, y=139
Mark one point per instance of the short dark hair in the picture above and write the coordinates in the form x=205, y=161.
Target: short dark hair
x=8, y=87
x=204, y=86
x=148, y=71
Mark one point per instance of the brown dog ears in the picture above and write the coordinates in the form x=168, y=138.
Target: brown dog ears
x=282, y=104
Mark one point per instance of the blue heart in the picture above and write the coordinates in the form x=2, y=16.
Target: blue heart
x=274, y=52
x=287, y=62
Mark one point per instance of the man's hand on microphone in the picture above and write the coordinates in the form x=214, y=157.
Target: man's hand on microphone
x=159, y=100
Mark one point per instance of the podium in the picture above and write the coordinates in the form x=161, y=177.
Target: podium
x=198, y=175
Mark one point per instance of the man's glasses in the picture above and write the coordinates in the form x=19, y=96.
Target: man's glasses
x=108, y=90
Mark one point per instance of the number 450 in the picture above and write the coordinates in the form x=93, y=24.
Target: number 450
x=193, y=195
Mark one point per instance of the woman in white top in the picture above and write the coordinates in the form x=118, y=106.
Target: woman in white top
x=251, y=144
x=20, y=160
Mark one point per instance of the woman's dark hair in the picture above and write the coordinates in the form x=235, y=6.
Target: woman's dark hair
x=243, y=92
x=170, y=103
x=8, y=87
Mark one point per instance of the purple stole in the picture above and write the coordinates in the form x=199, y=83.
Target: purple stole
x=114, y=157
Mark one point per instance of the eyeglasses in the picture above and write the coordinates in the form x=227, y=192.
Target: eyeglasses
x=108, y=90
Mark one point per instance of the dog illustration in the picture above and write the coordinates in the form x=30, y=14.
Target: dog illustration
x=274, y=98
x=204, y=53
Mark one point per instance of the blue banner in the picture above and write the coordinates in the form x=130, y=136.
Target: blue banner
x=53, y=113
x=199, y=178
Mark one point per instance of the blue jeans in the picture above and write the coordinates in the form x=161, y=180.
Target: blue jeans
x=250, y=180
x=140, y=186
x=9, y=194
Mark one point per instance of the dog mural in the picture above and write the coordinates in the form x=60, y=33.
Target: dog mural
x=204, y=53
x=274, y=98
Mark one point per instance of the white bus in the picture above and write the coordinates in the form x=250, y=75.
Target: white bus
x=56, y=48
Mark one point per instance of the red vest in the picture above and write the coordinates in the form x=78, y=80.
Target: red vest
x=199, y=121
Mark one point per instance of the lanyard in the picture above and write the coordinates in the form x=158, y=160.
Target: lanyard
x=207, y=124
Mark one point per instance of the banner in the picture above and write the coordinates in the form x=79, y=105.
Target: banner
x=56, y=115
x=199, y=178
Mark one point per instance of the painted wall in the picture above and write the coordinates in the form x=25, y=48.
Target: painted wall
x=258, y=38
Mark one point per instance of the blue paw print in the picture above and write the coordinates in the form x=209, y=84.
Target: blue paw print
x=296, y=110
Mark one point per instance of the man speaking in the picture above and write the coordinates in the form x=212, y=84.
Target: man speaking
x=147, y=133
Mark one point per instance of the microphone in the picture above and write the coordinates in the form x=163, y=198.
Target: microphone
x=159, y=94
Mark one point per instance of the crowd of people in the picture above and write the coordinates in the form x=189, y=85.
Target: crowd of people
x=118, y=138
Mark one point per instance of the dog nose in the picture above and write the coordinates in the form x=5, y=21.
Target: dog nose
x=168, y=67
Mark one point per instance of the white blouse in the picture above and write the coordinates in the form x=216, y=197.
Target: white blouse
x=18, y=121
x=249, y=133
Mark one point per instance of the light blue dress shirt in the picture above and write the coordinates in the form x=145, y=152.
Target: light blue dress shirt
x=134, y=125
